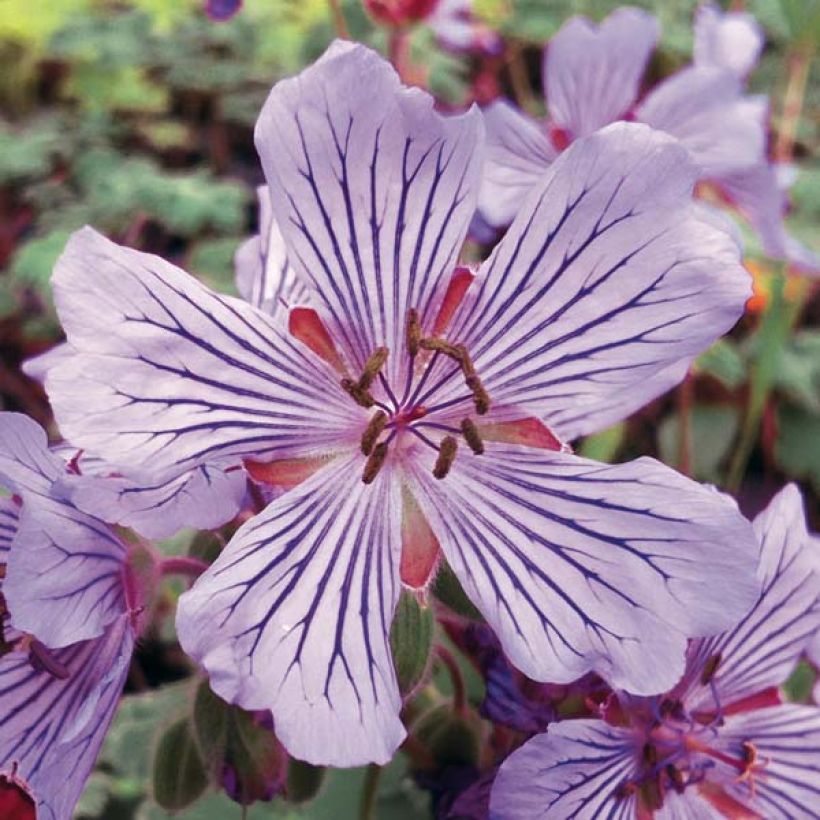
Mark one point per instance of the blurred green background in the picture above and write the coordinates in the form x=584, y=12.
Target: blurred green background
x=137, y=117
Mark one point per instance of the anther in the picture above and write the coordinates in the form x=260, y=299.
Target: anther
x=471, y=436
x=676, y=778
x=359, y=394
x=442, y=346
x=481, y=398
x=372, y=367
x=374, y=463
x=650, y=754
x=373, y=431
x=710, y=667
x=413, y=331
x=446, y=456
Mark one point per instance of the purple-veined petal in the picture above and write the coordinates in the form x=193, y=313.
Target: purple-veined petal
x=518, y=154
x=37, y=366
x=170, y=375
x=263, y=275
x=573, y=770
x=205, y=497
x=580, y=566
x=758, y=195
x=592, y=74
x=705, y=108
x=787, y=739
x=26, y=465
x=763, y=649
x=373, y=191
x=733, y=40
x=294, y=616
x=52, y=727
x=607, y=277
x=9, y=517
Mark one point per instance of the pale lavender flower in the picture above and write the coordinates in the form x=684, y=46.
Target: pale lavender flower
x=68, y=626
x=607, y=279
x=592, y=77
x=720, y=744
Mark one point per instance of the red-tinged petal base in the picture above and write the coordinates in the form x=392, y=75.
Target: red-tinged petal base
x=420, y=550
x=727, y=806
x=306, y=325
x=760, y=700
x=531, y=432
x=15, y=801
x=460, y=281
x=285, y=473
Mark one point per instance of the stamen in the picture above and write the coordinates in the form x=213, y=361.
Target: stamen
x=41, y=658
x=413, y=332
x=471, y=436
x=374, y=463
x=446, y=456
x=675, y=778
x=373, y=431
x=481, y=398
x=442, y=346
x=710, y=667
x=372, y=367
x=358, y=393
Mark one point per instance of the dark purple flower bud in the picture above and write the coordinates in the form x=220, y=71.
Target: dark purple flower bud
x=222, y=10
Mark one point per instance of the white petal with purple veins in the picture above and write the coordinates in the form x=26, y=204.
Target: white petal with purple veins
x=518, y=154
x=592, y=74
x=37, y=366
x=705, y=108
x=733, y=40
x=26, y=465
x=294, y=617
x=51, y=727
x=170, y=375
x=608, y=277
x=572, y=771
x=373, y=191
x=581, y=566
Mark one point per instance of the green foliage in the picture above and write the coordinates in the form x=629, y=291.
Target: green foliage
x=179, y=773
x=798, y=444
x=604, y=446
x=411, y=639
x=447, y=588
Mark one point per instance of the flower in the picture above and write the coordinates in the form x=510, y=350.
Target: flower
x=720, y=743
x=592, y=77
x=69, y=608
x=417, y=409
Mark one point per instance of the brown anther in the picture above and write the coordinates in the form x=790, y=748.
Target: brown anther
x=442, y=346
x=710, y=667
x=373, y=431
x=2, y=571
x=446, y=456
x=372, y=367
x=467, y=367
x=471, y=436
x=413, y=331
x=481, y=398
x=749, y=753
x=358, y=393
x=374, y=463
x=650, y=754
x=675, y=778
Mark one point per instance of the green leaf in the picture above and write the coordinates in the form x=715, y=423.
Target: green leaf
x=798, y=444
x=799, y=372
x=603, y=446
x=411, y=639
x=179, y=773
x=724, y=362
x=452, y=739
x=798, y=687
x=714, y=428
x=447, y=588
x=304, y=781
x=33, y=263
x=212, y=261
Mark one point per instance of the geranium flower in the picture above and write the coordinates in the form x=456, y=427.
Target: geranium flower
x=70, y=604
x=417, y=409
x=592, y=77
x=720, y=744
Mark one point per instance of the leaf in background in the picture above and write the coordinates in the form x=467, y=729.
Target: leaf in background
x=724, y=362
x=714, y=428
x=212, y=261
x=411, y=639
x=447, y=588
x=179, y=773
x=29, y=152
x=34, y=261
x=604, y=446
x=799, y=371
x=798, y=444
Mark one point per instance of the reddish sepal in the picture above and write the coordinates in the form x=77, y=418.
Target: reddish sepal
x=420, y=549
x=531, y=432
x=285, y=473
x=460, y=281
x=306, y=325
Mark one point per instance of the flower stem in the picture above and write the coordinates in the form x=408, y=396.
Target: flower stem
x=451, y=664
x=370, y=790
x=339, y=20
x=182, y=565
x=798, y=62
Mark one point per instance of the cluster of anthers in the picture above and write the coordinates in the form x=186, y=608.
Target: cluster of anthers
x=405, y=412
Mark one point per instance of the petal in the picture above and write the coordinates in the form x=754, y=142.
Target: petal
x=788, y=738
x=580, y=566
x=53, y=728
x=37, y=366
x=205, y=498
x=607, y=277
x=733, y=40
x=373, y=191
x=705, y=108
x=294, y=616
x=170, y=375
x=26, y=465
x=518, y=154
x=9, y=517
x=264, y=276
x=573, y=770
x=592, y=73
x=756, y=193
x=763, y=649
x=457, y=29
